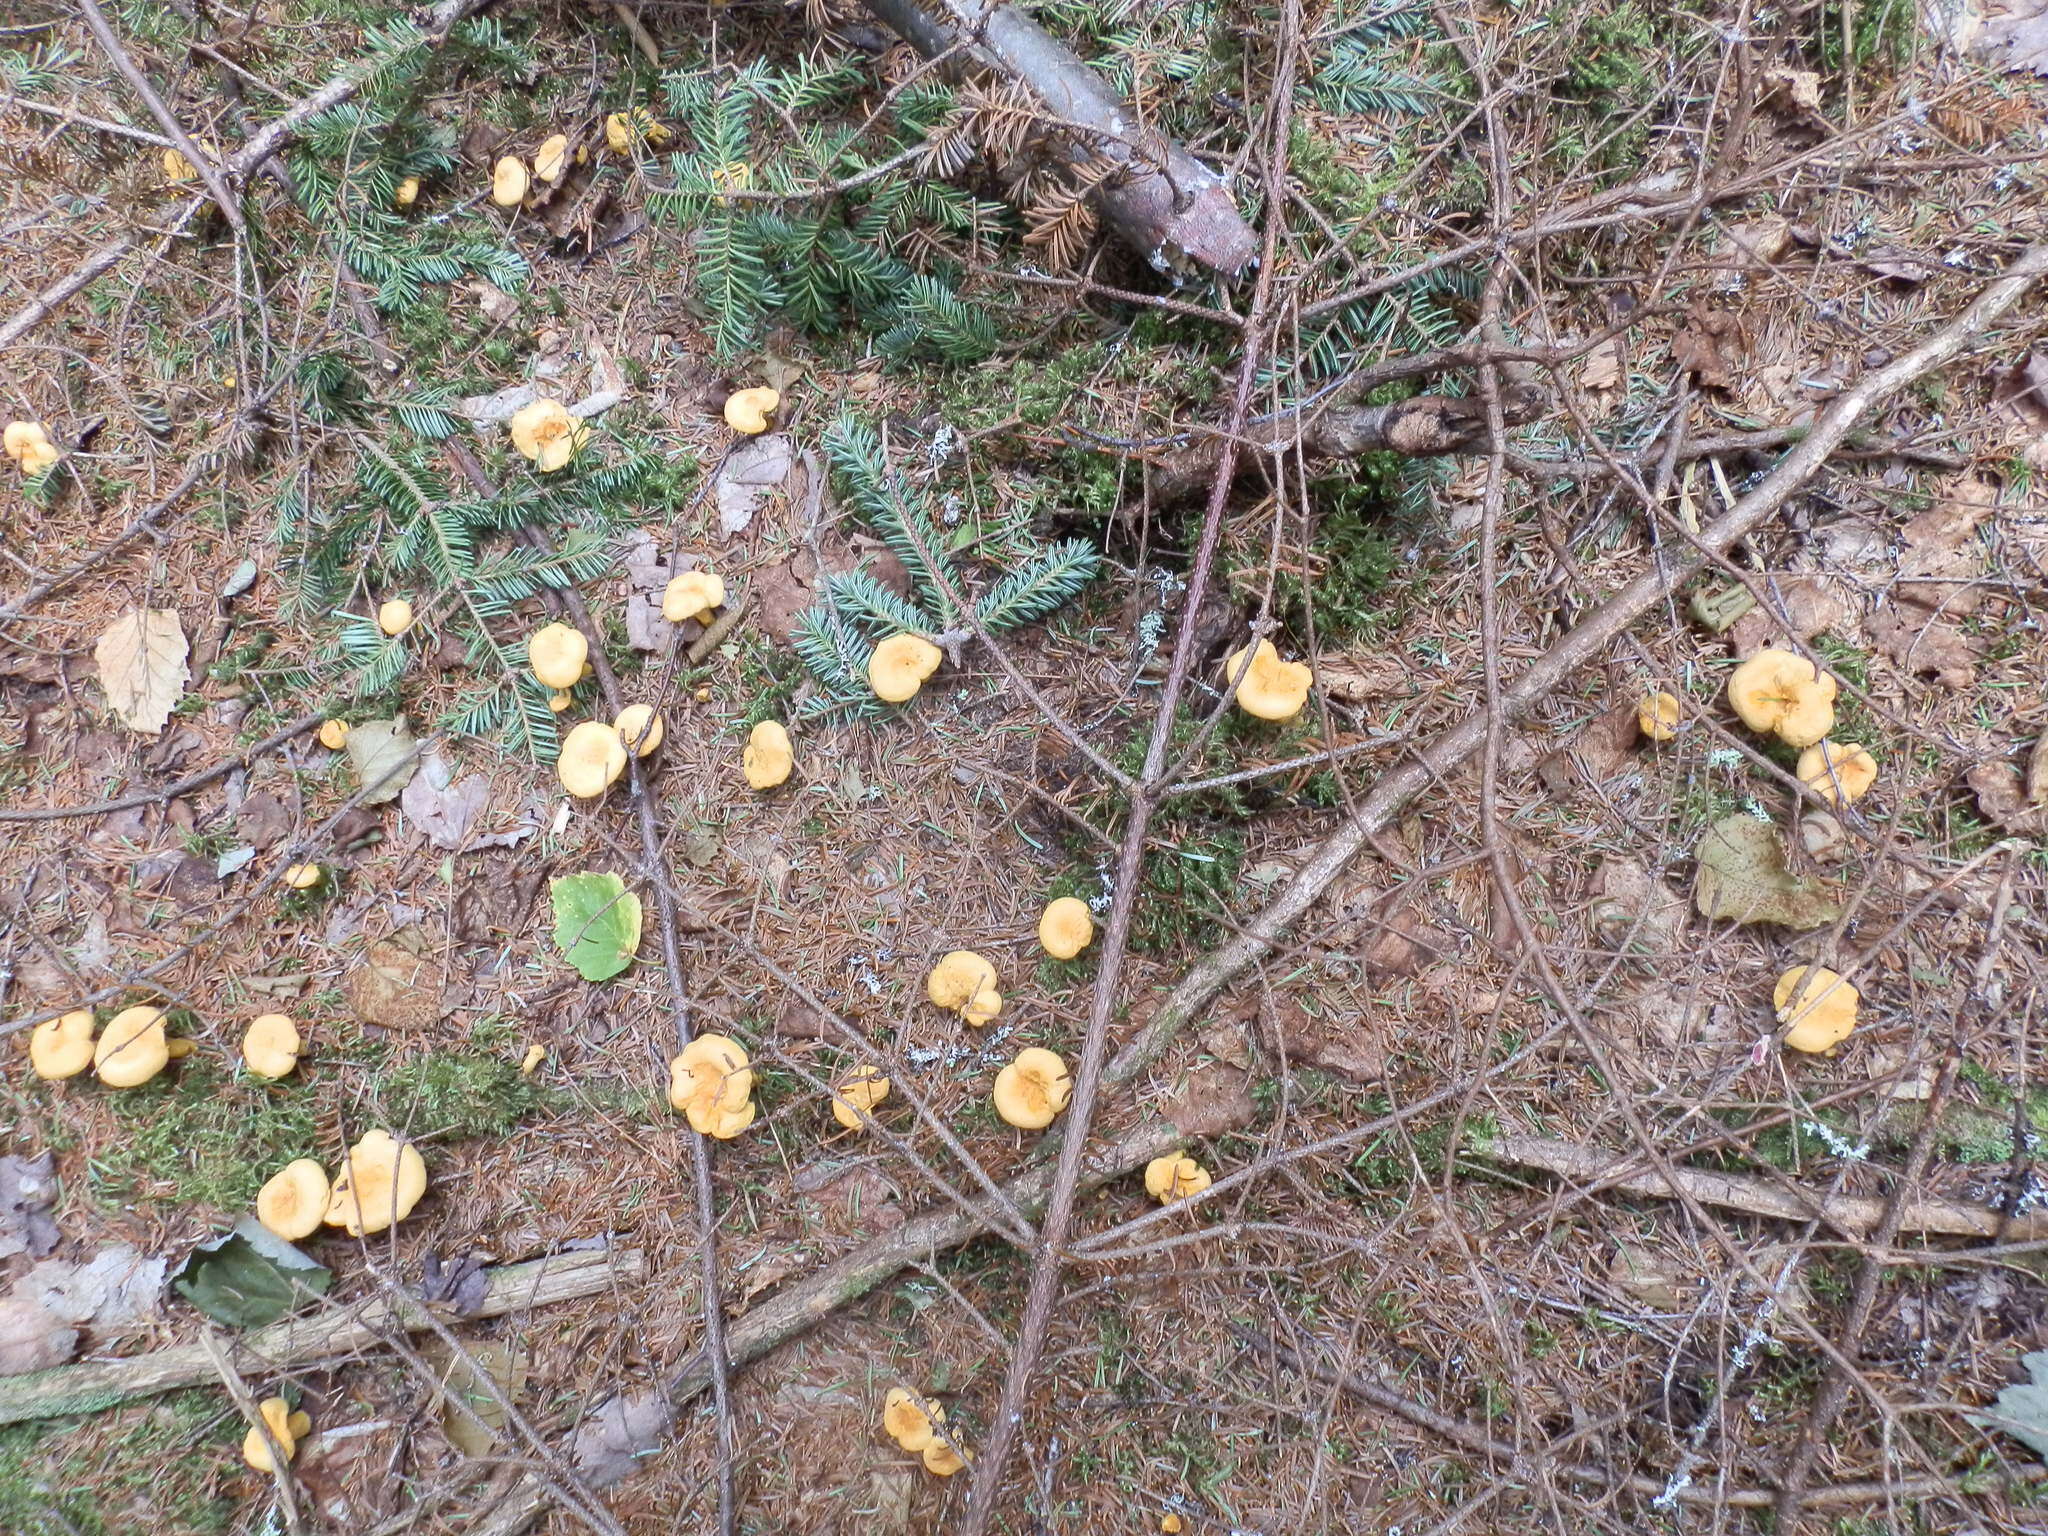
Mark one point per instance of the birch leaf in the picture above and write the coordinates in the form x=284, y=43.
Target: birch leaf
x=141, y=659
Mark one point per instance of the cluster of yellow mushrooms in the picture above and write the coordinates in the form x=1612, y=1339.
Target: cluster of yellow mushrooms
x=1780, y=693
x=917, y=1425
x=134, y=1047
x=29, y=445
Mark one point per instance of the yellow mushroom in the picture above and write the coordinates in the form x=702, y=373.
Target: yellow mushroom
x=1657, y=716
x=132, y=1048
x=1837, y=773
x=1171, y=1524
x=557, y=653
x=748, y=410
x=302, y=877
x=536, y=1053
x=1821, y=1011
x=910, y=1420
x=692, y=595
x=277, y=1417
x=547, y=434
x=963, y=982
x=395, y=616
x=1271, y=689
x=508, y=182
x=769, y=755
x=560, y=700
x=408, y=192
x=270, y=1045
x=1174, y=1177
x=622, y=130
x=640, y=729
x=899, y=666
x=380, y=1184
x=29, y=445
x=710, y=1084
x=176, y=166
x=1033, y=1089
x=863, y=1088
x=62, y=1047
x=293, y=1201
x=591, y=759
x=1782, y=694
x=941, y=1459
x=334, y=734
x=1066, y=927
x=552, y=158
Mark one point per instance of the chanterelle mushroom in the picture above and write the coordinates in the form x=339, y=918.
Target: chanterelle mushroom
x=965, y=983
x=62, y=1047
x=301, y=877
x=692, y=595
x=1820, y=1009
x=863, y=1088
x=547, y=434
x=640, y=728
x=899, y=666
x=1066, y=927
x=941, y=1459
x=293, y=1201
x=1271, y=689
x=30, y=446
x=508, y=182
x=552, y=158
x=1174, y=1177
x=748, y=410
x=1837, y=773
x=408, y=192
x=395, y=616
x=1781, y=694
x=711, y=1085
x=132, y=1048
x=769, y=755
x=557, y=652
x=591, y=759
x=910, y=1420
x=1033, y=1089
x=270, y=1045
x=380, y=1183
x=1657, y=715
x=277, y=1418
x=334, y=734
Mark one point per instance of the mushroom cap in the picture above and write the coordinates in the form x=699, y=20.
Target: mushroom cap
x=62, y=1047
x=508, y=182
x=692, y=595
x=552, y=158
x=408, y=192
x=380, y=1183
x=1657, y=715
x=748, y=410
x=960, y=980
x=177, y=167
x=547, y=434
x=302, y=877
x=863, y=1088
x=942, y=1460
x=640, y=729
x=560, y=700
x=1836, y=772
x=1066, y=927
x=591, y=759
x=1033, y=1089
x=909, y=1419
x=27, y=440
x=270, y=1045
x=1822, y=1011
x=618, y=132
x=769, y=756
x=395, y=616
x=1174, y=1177
x=557, y=652
x=132, y=1048
x=277, y=1417
x=293, y=1201
x=899, y=666
x=710, y=1084
x=1271, y=689
x=334, y=734
x=1783, y=694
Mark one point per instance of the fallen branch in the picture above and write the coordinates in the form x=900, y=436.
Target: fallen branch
x=1853, y=1216
x=299, y=1342
x=1163, y=202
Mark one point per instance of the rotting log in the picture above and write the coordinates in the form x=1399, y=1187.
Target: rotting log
x=1162, y=202
x=335, y=1333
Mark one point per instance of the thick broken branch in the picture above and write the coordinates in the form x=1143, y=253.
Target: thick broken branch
x=332, y=1334
x=1164, y=203
x=1853, y=1216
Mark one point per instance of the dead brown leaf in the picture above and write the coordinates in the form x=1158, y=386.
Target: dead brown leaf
x=1799, y=608
x=1594, y=754
x=393, y=986
x=1601, y=368
x=2023, y=389
x=1916, y=623
x=2015, y=36
x=141, y=660
x=1701, y=345
x=2002, y=796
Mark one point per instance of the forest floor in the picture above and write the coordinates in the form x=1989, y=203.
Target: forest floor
x=1525, y=1217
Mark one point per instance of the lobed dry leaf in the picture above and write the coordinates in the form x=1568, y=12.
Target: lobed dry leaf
x=1743, y=878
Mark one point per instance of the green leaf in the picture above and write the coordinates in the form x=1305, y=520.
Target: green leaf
x=1744, y=879
x=384, y=756
x=597, y=923
x=250, y=1277
x=2023, y=1409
